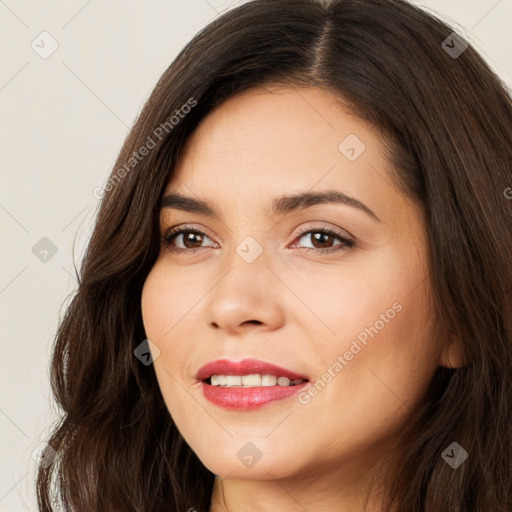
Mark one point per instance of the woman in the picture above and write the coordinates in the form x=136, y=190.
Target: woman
x=298, y=293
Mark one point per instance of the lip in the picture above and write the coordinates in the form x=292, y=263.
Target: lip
x=245, y=367
x=243, y=399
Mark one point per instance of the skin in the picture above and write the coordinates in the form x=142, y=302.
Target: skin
x=292, y=307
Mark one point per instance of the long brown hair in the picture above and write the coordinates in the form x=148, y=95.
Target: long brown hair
x=447, y=122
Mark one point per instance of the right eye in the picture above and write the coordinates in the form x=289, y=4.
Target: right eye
x=185, y=240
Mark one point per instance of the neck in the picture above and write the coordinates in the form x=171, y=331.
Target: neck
x=318, y=491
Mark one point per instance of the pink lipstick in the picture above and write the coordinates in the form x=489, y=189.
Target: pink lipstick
x=248, y=384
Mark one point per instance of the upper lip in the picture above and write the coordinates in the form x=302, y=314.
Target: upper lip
x=245, y=367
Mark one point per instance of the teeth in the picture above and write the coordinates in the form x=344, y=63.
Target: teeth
x=233, y=380
x=268, y=380
x=252, y=380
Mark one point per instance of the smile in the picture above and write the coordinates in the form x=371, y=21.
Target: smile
x=252, y=381
x=248, y=384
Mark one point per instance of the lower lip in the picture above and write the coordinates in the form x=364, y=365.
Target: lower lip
x=244, y=399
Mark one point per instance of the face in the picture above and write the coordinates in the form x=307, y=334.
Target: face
x=296, y=251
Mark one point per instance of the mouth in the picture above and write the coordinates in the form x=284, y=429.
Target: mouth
x=248, y=384
x=253, y=380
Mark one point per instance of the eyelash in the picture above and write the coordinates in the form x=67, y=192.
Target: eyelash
x=346, y=243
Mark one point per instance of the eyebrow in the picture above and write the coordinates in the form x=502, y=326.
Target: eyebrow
x=280, y=206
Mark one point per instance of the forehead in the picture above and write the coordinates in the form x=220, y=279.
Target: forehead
x=264, y=142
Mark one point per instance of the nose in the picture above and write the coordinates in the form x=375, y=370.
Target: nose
x=248, y=297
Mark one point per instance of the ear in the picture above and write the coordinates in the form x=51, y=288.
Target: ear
x=452, y=355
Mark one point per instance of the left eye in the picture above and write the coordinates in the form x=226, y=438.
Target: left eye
x=324, y=240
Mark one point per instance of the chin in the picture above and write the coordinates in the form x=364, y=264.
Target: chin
x=245, y=461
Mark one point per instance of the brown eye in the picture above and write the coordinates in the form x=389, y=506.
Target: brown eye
x=324, y=240
x=183, y=239
x=192, y=240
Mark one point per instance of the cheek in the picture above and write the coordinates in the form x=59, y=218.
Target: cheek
x=366, y=390
x=172, y=304
x=383, y=359
x=369, y=296
x=154, y=305
x=167, y=318
x=378, y=346
x=168, y=299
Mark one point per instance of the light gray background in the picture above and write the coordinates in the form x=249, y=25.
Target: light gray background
x=63, y=122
